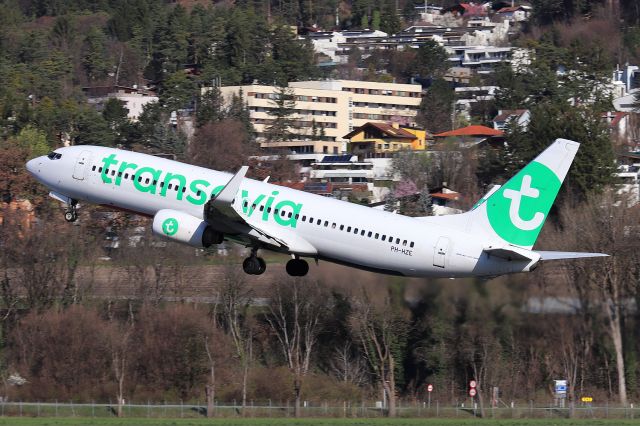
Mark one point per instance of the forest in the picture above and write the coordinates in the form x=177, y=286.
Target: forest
x=75, y=326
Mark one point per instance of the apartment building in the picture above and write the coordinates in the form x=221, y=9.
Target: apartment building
x=328, y=110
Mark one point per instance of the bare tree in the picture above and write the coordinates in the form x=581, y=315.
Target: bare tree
x=606, y=224
x=223, y=145
x=294, y=314
x=235, y=298
x=381, y=333
x=120, y=345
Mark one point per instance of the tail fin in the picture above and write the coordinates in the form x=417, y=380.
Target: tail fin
x=516, y=211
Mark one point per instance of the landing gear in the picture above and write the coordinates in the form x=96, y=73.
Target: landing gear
x=254, y=265
x=71, y=214
x=297, y=267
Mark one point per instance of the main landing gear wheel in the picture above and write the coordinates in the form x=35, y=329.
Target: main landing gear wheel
x=254, y=265
x=71, y=214
x=297, y=267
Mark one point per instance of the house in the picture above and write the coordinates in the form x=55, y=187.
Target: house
x=515, y=14
x=444, y=200
x=345, y=175
x=134, y=98
x=470, y=136
x=520, y=116
x=380, y=140
x=467, y=10
x=481, y=59
x=619, y=125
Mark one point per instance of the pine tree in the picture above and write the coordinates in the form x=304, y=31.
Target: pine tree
x=281, y=112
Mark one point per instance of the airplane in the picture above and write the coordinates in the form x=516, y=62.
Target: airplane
x=201, y=207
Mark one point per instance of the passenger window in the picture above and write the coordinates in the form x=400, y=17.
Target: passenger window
x=326, y=223
x=170, y=186
x=253, y=206
x=341, y=227
x=376, y=236
x=198, y=193
x=304, y=218
x=100, y=169
x=93, y=169
x=411, y=245
x=311, y=220
x=261, y=208
x=246, y=203
x=319, y=221
x=404, y=243
x=291, y=214
x=297, y=216
x=155, y=182
x=275, y=212
x=355, y=230
x=384, y=238
x=348, y=229
x=119, y=174
x=369, y=234
x=269, y=210
x=177, y=188
x=333, y=226
x=139, y=178
x=283, y=213
x=397, y=240
x=126, y=175
x=113, y=172
x=146, y=180
x=184, y=189
x=362, y=232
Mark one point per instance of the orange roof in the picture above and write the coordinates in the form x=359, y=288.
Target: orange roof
x=446, y=196
x=471, y=131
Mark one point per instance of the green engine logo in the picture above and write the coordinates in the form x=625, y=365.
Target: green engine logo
x=170, y=226
x=517, y=210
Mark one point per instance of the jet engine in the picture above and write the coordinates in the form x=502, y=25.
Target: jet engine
x=184, y=228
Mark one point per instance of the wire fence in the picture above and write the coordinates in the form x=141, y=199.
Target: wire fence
x=344, y=409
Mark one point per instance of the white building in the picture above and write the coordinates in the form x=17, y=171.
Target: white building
x=332, y=108
x=134, y=99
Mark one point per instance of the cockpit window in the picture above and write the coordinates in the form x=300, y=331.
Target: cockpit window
x=54, y=155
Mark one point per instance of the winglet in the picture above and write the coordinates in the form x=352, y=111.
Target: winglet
x=228, y=193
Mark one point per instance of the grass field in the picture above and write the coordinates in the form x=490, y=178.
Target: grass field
x=78, y=421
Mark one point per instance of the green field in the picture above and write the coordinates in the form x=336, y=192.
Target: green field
x=76, y=421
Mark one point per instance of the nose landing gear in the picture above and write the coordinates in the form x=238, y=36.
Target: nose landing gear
x=254, y=265
x=71, y=214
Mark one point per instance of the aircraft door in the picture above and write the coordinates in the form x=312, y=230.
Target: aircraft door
x=440, y=252
x=79, y=170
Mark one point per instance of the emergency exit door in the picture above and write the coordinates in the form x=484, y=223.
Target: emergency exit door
x=79, y=170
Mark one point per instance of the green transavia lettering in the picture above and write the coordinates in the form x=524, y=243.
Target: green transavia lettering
x=197, y=192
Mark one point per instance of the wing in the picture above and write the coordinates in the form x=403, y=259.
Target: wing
x=221, y=215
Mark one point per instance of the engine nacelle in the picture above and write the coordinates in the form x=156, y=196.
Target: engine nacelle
x=184, y=228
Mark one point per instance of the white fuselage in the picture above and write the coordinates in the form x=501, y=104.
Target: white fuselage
x=384, y=242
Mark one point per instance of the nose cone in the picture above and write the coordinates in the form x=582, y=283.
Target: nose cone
x=32, y=166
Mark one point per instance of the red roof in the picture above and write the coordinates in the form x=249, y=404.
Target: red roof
x=446, y=196
x=471, y=131
x=613, y=118
x=509, y=9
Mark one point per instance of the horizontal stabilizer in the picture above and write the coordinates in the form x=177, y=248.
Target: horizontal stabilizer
x=512, y=253
x=559, y=255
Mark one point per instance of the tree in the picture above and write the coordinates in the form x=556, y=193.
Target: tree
x=95, y=59
x=432, y=61
x=381, y=332
x=177, y=91
x=211, y=107
x=281, y=112
x=295, y=312
x=607, y=224
x=223, y=145
x=389, y=19
x=436, y=108
x=235, y=297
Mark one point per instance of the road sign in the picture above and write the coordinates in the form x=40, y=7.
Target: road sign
x=587, y=399
x=429, y=388
x=560, y=387
x=472, y=392
x=472, y=384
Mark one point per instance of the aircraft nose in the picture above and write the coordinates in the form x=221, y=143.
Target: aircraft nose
x=33, y=166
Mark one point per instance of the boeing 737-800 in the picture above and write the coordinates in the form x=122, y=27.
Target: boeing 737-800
x=202, y=207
